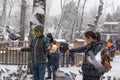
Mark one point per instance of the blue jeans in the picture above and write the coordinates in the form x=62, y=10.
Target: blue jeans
x=54, y=69
x=38, y=71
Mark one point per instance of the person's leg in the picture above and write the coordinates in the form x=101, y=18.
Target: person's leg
x=35, y=71
x=54, y=69
x=42, y=67
x=72, y=59
x=67, y=60
x=63, y=60
x=119, y=47
x=49, y=70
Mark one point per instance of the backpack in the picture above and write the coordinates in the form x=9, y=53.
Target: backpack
x=100, y=62
x=44, y=41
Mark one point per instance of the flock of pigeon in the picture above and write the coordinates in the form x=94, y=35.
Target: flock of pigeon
x=19, y=74
x=77, y=74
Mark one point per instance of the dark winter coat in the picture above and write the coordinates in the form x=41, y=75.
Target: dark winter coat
x=54, y=59
x=38, y=48
x=88, y=68
x=112, y=51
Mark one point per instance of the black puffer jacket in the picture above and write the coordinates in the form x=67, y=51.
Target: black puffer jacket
x=88, y=68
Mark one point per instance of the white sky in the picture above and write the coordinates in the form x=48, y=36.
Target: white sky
x=56, y=10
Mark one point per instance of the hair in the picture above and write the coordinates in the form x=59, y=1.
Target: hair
x=98, y=35
x=91, y=34
x=49, y=35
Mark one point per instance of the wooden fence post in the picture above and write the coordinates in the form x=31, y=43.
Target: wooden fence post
x=6, y=56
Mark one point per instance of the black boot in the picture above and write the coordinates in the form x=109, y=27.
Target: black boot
x=48, y=78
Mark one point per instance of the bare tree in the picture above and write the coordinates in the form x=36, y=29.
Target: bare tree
x=75, y=20
x=100, y=9
x=11, y=5
x=106, y=6
x=58, y=25
x=3, y=16
x=48, y=6
x=82, y=16
x=22, y=20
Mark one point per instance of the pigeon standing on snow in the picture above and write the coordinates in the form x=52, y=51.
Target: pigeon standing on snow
x=109, y=77
x=25, y=77
x=7, y=69
x=102, y=77
x=2, y=71
x=80, y=71
x=114, y=78
x=73, y=75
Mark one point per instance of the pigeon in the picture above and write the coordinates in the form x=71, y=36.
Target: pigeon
x=114, y=78
x=102, y=77
x=80, y=71
x=25, y=77
x=2, y=71
x=73, y=75
x=7, y=69
x=109, y=77
x=25, y=66
x=23, y=71
x=12, y=34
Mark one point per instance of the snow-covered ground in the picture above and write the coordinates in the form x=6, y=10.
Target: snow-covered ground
x=114, y=72
x=13, y=72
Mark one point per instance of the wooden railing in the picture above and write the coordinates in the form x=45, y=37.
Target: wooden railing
x=10, y=54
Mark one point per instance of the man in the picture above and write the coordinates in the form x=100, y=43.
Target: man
x=38, y=49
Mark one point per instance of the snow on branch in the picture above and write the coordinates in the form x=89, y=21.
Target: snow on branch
x=100, y=9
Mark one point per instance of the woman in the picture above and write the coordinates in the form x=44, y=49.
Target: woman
x=90, y=72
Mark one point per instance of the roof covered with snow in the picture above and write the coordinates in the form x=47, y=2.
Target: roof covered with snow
x=113, y=23
x=60, y=40
x=81, y=40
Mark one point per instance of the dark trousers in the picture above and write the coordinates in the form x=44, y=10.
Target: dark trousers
x=91, y=77
x=54, y=69
x=72, y=59
x=49, y=68
x=38, y=71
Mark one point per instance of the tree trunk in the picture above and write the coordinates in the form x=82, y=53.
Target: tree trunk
x=82, y=17
x=100, y=9
x=22, y=21
x=75, y=20
x=3, y=16
x=38, y=18
x=60, y=20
